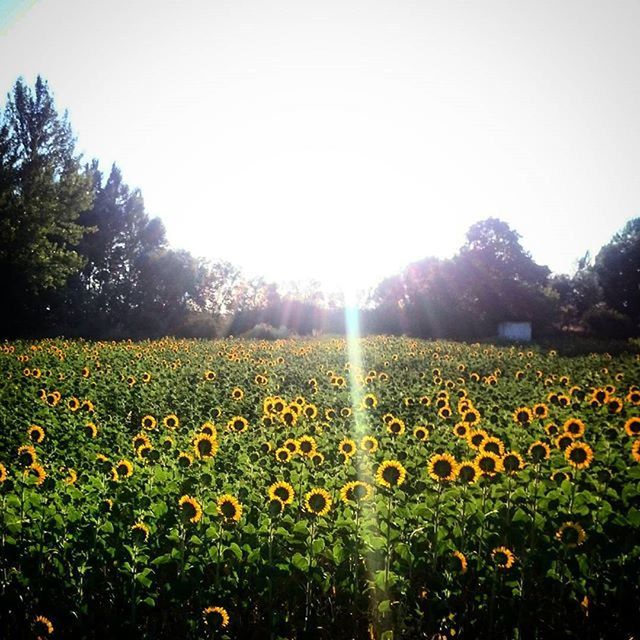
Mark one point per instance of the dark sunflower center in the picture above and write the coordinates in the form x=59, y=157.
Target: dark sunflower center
x=570, y=535
x=487, y=464
x=538, y=452
x=467, y=473
x=492, y=447
x=511, y=463
x=189, y=509
x=477, y=440
x=228, y=509
x=442, y=468
x=578, y=455
x=357, y=493
x=283, y=455
x=204, y=447
x=282, y=493
x=391, y=475
x=502, y=558
x=347, y=448
x=317, y=502
x=523, y=416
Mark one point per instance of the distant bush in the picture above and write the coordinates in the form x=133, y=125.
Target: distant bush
x=264, y=331
x=603, y=322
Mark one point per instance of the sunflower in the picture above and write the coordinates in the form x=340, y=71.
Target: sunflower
x=229, y=508
x=488, y=463
x=310, y=411
x=512, y=462
x=146, y=377
x=283, y=454
x=238, y=424
x=27, y=455
x=540, y=410
x=266, y=447
x=462, y=560
x=171, y=421
x=205, y=446
x=615, y=405
x=191, y=509
x=395, y=427
x=72, y=477
x=168, y=443
x=369, y=444
x=35, y=433
x=461, y=429
x=503, y=557
x=289, y=416
x=539, y=451
x=442, y=467
x=317, y=458
x=471, y=417
x=282, y=491
x=37, y=470
x=209, y=376
x=330, y=414
x=73, y=404
x=391, y=474
x=632, y=427
x=356, y=491
x=523, y=416
x=139, y=440
x=571, y=534
x=216, y=617
x=468, y=471
x=209, y=429
x=42, y=627
x=293, y=445
x=148, y=422
x=552, y=429
x=124, y=468
x=237, y=393
x=564, y=440
x=91, y=430
x=3, y=473
x=347, y=447
x=579, y=455
x=421, y=433
x=140, y=531
x=635, y=450
x=307, y=445
x=317, y=501
x=445, y=412
x=131, y=381
x=369, y=401
x=345, y=412
x=574, y=426
x=633, y=397
x=492, y=445
x=476, y=438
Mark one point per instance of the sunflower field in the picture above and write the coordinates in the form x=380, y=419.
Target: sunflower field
x=315, y=488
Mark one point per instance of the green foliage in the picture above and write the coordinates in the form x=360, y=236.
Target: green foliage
x=73, y=548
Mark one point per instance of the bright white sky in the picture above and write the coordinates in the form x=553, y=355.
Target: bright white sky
x=341, y=139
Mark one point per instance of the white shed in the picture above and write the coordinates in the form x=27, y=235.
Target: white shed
x=518, y=331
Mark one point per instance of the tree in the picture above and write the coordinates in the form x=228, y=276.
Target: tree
x=617, y=266
x=43, y=191
x=500, y=280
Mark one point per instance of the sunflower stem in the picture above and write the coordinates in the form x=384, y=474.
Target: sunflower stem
x=388, y=545
x=436, y=526
x=307, y=608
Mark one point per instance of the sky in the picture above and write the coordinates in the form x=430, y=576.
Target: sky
x=338, y=141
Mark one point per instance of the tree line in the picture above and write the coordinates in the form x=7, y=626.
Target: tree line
x=80, y=256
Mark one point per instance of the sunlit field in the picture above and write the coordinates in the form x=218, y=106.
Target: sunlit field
x=300, y=488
